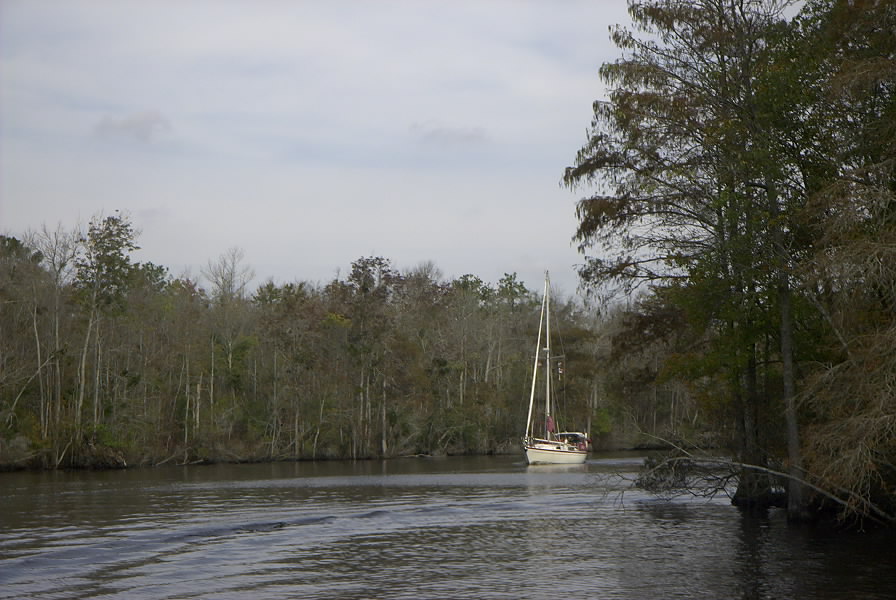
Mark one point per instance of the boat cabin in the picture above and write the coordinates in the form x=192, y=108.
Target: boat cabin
x=573, y=438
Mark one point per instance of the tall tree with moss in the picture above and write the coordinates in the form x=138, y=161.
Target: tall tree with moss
x=690, y=196
x=850, y=273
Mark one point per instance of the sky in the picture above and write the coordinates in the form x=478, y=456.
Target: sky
x=306, y=133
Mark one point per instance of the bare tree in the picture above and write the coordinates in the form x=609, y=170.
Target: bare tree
x=228, y=276
x=58, y=249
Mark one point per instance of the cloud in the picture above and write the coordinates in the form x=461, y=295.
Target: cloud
x=432, y=132
x=142, y=126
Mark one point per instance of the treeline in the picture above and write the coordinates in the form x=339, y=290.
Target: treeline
x=742, y=178
x=108, y=362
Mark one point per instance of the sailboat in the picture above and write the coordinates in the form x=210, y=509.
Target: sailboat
x=548, y=445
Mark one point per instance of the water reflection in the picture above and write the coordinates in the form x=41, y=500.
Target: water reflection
x=751, y=557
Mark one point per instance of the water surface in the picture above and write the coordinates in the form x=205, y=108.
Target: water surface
x=483, y=527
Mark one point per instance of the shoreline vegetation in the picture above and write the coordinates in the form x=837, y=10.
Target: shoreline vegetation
x=111, y=363
x=107, y=458
x=739, y=189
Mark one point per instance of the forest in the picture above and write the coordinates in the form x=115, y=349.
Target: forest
x=737, y=221
x=109, y=362
x=113, y=361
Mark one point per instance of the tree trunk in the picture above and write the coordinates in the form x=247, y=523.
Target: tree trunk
x=753, y=489
x=295, y=434
x=57, y=362
x=44, y=408
x=796, y=501
x=96, y=378
x=211, y=391
x=82, y=374
x=383, y=446
x=187, y=421
x=196, y=404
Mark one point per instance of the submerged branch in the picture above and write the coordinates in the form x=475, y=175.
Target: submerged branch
x=685, y=474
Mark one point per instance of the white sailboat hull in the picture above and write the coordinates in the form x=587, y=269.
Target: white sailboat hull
x=554, y=454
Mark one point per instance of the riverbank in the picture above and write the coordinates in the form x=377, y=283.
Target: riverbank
x=19, y=455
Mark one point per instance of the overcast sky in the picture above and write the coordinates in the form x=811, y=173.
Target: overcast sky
x=307, y=133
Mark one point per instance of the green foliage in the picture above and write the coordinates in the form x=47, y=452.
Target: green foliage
x=337, y=320
x=149, y=276
x=104, y=268
x=470, y=285
x=11, y=248
x=111, y=438
x=511, y=290
x=602, y=421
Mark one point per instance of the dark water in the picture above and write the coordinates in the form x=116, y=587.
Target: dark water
x=486, y=527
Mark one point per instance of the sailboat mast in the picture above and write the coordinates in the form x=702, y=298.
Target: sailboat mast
x=547, y=358
x=535, y=368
